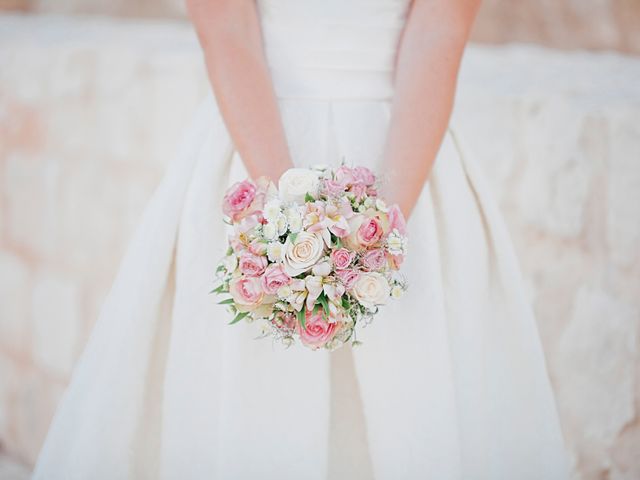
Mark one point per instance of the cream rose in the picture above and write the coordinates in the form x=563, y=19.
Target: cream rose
x=295, y=183
x=371, y=289
x=303, y=253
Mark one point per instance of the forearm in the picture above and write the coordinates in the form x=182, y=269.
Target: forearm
x=426, y=72
x=238, y=72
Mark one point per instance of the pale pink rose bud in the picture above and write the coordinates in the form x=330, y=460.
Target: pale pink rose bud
x=252, y=265
x=274, y=278
x=342, y=258
x=369, y=232
x=238, y=199
x=317, y=331
x=348, y=277
x=333, y=188
x=246, y=292
x=364, y=175
x=374, y=259
x=344, y=175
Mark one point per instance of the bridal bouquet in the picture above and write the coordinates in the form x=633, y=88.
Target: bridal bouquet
x=313, y=258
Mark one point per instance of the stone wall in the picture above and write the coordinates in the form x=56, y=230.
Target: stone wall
x=594, y=24
x=559, y=137
x=90, y=111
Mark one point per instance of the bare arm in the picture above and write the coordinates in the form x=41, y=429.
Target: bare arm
x=427, y=68
x=229, y=32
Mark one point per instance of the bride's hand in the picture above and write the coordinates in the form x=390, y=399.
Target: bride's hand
x=427, y=68
x=229, y=32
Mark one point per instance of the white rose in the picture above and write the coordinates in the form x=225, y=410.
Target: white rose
x=295, y=183
x=371, y=289
x=302, y=254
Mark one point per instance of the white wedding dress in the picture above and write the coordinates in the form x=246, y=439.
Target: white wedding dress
x=450, y=382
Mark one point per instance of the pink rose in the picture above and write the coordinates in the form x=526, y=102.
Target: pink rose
x=374, y=259
x=333, y=187
x=238, y=199
x=396, y=220
x=342, y=258
x=348, y=277
x=317, y=331
x=364, y=175
x=252, y=265
x=344, y=175
x=246, y=292
x=369, y=232
x=274, y=277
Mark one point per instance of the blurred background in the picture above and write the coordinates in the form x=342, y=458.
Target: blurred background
x=94, y=95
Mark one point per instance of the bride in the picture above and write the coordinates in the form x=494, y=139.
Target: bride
x=450, y=382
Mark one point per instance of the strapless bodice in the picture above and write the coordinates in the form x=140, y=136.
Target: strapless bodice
x=332, y=48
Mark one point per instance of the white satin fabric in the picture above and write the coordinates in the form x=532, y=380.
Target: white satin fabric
x=451, y=380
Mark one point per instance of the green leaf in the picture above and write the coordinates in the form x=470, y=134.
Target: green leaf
x=308, y=197
x=325, y=305
x=345, y=303
x=219, y=289
x=292, y=237
x=228, y=301
x=239, y=317
x=338, y=242
x=302, y=317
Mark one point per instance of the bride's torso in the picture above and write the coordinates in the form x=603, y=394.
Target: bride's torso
x=332, y=48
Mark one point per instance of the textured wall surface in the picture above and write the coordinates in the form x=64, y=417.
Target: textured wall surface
x=90, y=111
x=600, y=24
